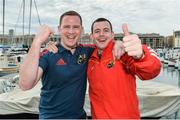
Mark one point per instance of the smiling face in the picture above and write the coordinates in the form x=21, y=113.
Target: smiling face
x=70, y=30
x=102, y=34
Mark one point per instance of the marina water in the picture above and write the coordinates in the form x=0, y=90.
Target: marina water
x=169, y=75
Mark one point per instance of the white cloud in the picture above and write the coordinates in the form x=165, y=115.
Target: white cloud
x=142, y=16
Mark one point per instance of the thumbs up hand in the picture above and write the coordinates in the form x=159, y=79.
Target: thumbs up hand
x=132, y=44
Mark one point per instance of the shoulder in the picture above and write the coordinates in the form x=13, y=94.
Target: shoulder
x=149, y=53
x=44, y=52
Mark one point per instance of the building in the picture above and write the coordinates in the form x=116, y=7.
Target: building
x=153, y=40
x=168, y=42
x=172, y=41
x=176, y=39
x=24, y=41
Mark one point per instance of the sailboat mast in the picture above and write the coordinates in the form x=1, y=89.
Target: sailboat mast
x=23, y=14
x=30, y=16
x=28, y=42
x=3, y=15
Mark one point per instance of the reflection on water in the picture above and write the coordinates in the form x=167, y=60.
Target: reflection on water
x=169, y=75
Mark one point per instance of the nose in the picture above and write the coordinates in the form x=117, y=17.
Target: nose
x=101, y=33
x=71, y=30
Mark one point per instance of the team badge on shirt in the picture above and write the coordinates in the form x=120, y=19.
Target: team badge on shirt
x=60, y=62
x=110, y=64
x=81, y=59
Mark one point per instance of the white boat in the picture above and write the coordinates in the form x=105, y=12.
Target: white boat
x=15, y=101
x=156, y=100
x=10, y=63
x=178, y=64
x=161, y=54
x=171, y=63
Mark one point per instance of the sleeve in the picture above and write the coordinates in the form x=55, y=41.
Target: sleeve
x=145, y=68
x=43, y=61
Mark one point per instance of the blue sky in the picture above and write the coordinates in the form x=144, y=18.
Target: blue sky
x=142, y=16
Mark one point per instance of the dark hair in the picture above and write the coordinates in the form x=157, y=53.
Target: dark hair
x=71, y=13
x=100, y=20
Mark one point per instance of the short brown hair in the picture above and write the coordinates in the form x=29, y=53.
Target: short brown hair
x=101, y=20
x=71, y=13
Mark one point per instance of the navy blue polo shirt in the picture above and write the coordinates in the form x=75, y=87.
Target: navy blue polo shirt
x=64, y=83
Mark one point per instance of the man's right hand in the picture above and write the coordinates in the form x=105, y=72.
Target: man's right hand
x=43, y=34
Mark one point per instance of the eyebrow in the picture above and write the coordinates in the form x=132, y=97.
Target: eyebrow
x=103, y=29
x=106, y=29
x=70, y=25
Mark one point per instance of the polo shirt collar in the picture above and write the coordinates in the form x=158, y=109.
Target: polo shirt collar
x=61, y=48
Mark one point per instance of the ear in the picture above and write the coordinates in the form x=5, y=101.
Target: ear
x=112, y=35
x=59, y=29
x=91, y=36
x=82, y=30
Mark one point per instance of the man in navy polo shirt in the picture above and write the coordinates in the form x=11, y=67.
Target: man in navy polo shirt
x=63, y=74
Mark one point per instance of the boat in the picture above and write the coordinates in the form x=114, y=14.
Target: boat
x=171, y=62
x=10, y=63
x=15, y=103
x=156, y=100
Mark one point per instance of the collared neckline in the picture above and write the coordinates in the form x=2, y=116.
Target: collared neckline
x=62, y=49
x=107, y=51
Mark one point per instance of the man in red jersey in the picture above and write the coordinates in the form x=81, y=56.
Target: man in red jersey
x=112, y=83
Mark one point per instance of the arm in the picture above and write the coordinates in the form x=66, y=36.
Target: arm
x=139, y=59
x=145, y=68
x=149, y=66
x=30, y=72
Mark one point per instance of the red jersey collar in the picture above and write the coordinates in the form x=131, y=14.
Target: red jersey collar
x=107, y=51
